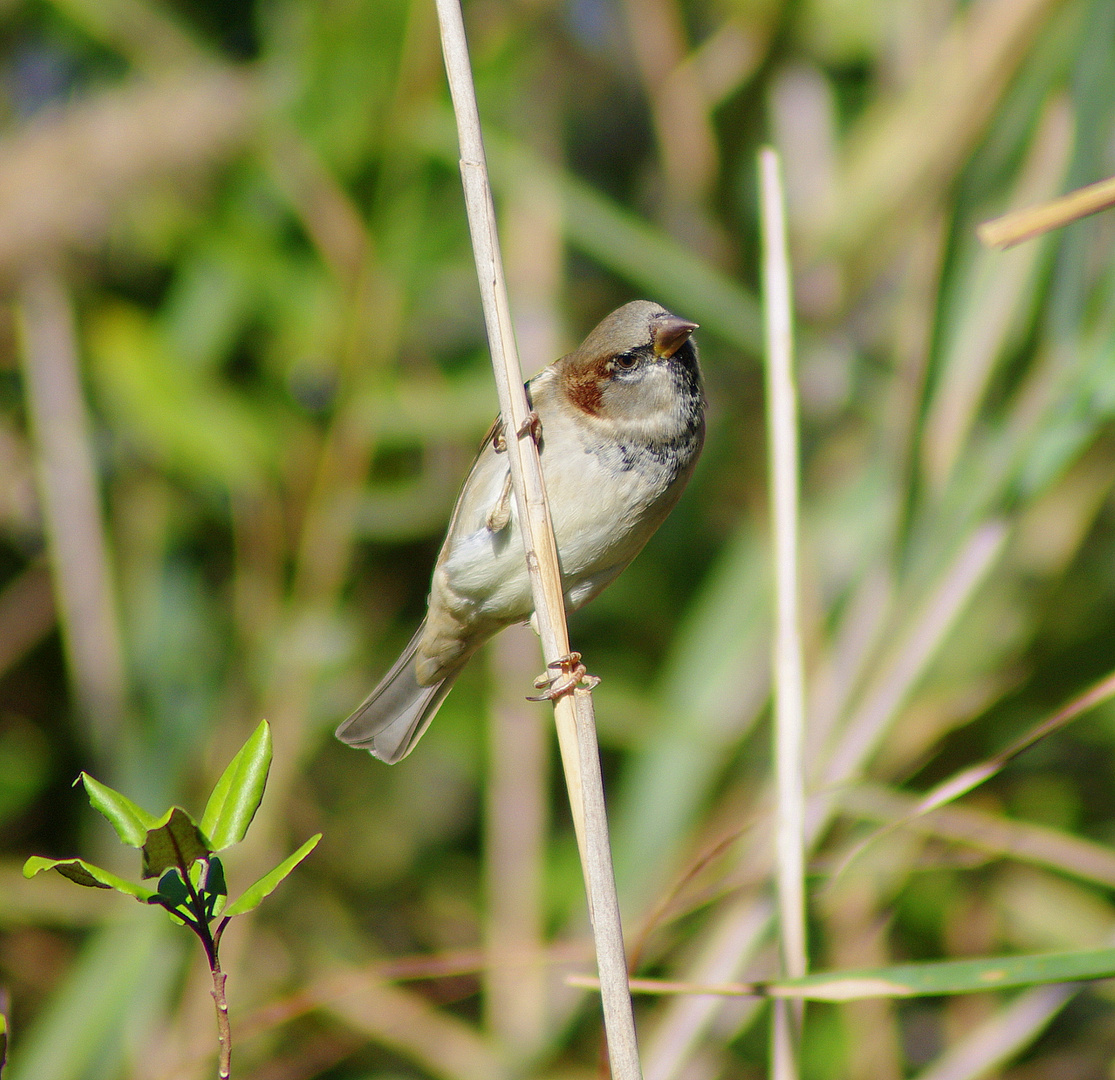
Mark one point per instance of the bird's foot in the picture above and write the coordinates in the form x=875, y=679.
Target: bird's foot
x=569, y=674
x=531, y=426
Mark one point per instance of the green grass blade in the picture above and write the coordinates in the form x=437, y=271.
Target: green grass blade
x=931, y=979
x=950, y=976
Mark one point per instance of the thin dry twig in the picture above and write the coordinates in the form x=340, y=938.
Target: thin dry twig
x=573, y=712
x=679, y=987
x=1019, y=225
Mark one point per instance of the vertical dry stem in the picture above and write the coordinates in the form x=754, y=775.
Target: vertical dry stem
x=573, y=713
x=789, y=688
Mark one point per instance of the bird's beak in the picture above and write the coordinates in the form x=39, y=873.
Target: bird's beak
x=670, y=333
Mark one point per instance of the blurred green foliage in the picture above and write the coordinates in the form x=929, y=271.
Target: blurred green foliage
x=240, y=228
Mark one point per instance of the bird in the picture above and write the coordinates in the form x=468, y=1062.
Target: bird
x=619, y=423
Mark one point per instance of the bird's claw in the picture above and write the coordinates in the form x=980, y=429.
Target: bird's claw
x=570, y=674
x=531, y=426
x=564, y=665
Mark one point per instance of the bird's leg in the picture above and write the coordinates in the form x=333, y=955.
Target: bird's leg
x=531, y=426
x=500, y=513
x=570, y=674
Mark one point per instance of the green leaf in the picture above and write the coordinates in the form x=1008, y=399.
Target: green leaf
x=216, y=889
x=87, y=874
x=172, y=889
x=131, y=822
x=267, y=884
x=215, y=881
x=237, y=794
x=175, y=841
x=174, y=898
x=950, y=976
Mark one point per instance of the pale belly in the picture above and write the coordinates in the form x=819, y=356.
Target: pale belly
x=601, y=517
x=605, y=503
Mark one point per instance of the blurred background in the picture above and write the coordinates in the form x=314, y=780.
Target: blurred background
x=243, y=371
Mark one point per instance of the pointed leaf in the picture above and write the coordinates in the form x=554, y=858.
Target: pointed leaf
x=175, y=841
x=131, y=822
x=237, y=795
x=267, y=884
x=86, y=874
x=172, y=889
x=216, y=889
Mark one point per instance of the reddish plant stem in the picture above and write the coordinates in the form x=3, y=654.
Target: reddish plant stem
x=224, y=1030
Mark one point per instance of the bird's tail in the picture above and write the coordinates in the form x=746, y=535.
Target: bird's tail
x=395, y=715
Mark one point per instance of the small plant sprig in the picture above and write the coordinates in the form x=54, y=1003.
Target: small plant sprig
x=182, y=855
x=3, y=1029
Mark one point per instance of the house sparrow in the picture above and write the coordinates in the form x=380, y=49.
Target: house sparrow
x=622, y=421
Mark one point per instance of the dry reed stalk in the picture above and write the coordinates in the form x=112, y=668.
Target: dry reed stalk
x=573, y=712
x=788, y=679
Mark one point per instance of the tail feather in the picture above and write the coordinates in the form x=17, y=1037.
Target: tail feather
x=395, y=715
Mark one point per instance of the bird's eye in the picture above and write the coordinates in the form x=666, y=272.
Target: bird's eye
x=626, y=360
